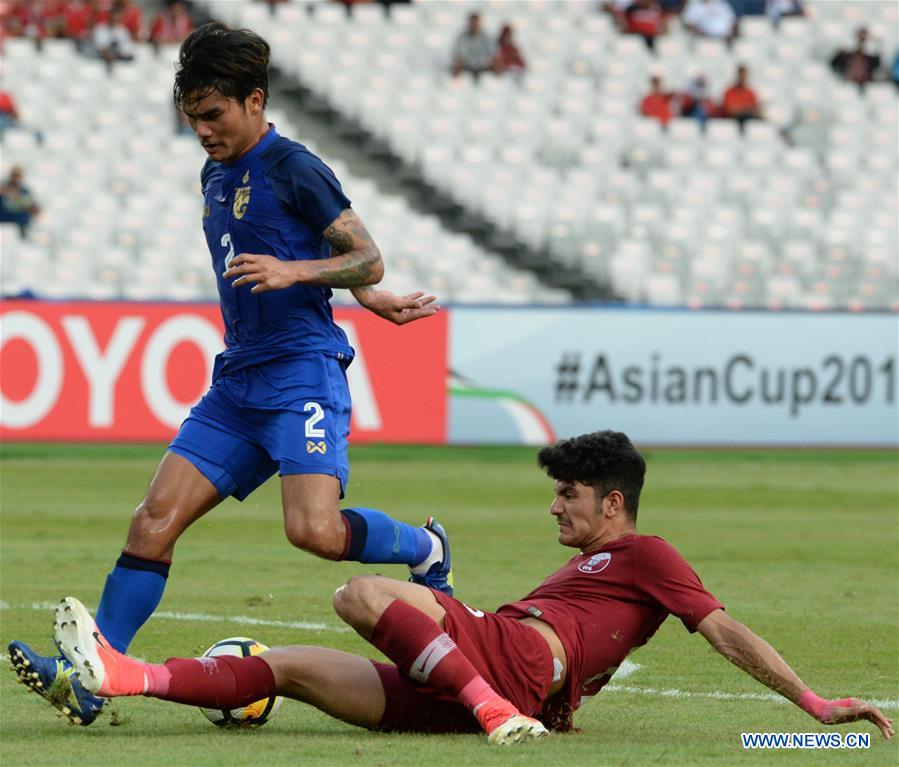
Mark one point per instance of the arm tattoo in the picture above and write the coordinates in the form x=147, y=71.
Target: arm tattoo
x=358, y=268
x=345, y=230
x=359, y=258
x=340, y=241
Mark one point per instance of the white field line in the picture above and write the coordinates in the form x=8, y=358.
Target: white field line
x=717, y=695
x=243, y=620
x=626, y=669
x=247, y=620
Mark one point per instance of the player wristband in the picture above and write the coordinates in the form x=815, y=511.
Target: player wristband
x=820, y=708
x=812, y=704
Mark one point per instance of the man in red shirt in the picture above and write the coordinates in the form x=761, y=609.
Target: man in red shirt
x=507, y=58
x=82, y=16
x=172, y=25
x=512, y=673
x=740, y=102
x=8, y=107
x=130, y=16
x=657, y=103
x=646, y=18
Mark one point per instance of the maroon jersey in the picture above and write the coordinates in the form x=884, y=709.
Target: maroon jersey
x=604, y=603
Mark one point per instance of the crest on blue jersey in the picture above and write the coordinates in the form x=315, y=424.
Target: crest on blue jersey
x=596, y=564
x=241, y=198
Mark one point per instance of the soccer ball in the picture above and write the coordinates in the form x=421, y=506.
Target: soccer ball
x=255, y=714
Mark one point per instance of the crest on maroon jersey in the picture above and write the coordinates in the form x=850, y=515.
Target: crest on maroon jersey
x=596, y=564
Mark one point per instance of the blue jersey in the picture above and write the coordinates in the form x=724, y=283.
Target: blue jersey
x=277, y=200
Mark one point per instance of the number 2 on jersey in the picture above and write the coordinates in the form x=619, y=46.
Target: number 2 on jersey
x=313, y=431
x=226, y=243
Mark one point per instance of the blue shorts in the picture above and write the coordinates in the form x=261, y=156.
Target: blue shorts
x=288, y=415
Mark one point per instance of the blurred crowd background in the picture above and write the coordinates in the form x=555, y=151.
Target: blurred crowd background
x=700, y=153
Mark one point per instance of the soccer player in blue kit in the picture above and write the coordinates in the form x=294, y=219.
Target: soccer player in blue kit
x=281, y=234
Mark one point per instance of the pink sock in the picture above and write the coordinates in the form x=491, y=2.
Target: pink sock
x=476, y=693
x=158, y=678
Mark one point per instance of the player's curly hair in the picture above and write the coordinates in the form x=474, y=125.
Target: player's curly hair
x=213, y=57
x=605, y=460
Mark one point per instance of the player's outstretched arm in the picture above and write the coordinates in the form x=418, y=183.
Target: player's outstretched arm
x=760, y=660
x=399, y=310
x=355, y=261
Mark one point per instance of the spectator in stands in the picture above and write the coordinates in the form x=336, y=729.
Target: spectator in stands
x=172, y=25
x=75, y=19
x=860, y=64
x=21, y=18
x=646, y=18
x=710, y=18
x=740, y=102
x=112, y=40
x=473, y=50
x=657, y=103
x=507, y=58
x=778, y=9
x=9, y=112
x=10, y=117
x=696, y=102
x=894, y=70
x=54, y=16
x=82, y=16
x=17, y=204
x=131, y=17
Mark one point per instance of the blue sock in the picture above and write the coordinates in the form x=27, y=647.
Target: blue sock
x=132, y=592
x=375, y=537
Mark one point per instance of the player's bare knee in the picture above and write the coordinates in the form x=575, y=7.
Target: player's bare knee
x=361, y=600
x=151, y=531
x=315, y=538
x=296, y=535
x=342, y=606
x=346, y=598
x=158, y=506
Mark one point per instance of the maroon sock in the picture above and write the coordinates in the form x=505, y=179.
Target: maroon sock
x=426, y=653
x=221, y=682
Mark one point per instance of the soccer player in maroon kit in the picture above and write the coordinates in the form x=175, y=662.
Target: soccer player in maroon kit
x=513, y=673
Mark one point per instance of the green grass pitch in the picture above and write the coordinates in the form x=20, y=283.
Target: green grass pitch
x=799, y=545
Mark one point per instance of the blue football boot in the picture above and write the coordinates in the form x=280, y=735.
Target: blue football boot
x=54, y=680
x=440, y=574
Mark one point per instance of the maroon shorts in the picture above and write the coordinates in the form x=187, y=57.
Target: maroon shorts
x=513, y=658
